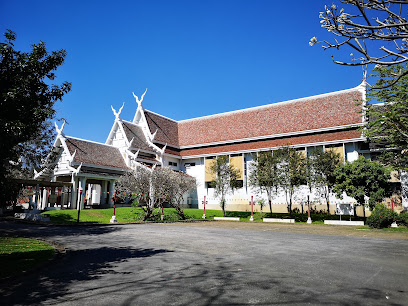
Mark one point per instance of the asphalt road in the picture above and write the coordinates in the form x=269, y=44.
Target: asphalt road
x=167, y=264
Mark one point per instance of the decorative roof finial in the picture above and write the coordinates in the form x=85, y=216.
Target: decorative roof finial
x=117, y=114
x=364, y=74
x=59, y=131
x=139, y=102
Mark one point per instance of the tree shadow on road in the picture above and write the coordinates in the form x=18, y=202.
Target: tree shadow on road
x=32, y=230
x=53, y=282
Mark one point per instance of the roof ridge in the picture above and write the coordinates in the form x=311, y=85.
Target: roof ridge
x=134, y=124
x=94, y=142
x=146, y=110
x=272, y=104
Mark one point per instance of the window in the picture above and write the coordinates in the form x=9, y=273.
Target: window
x=174, y=164
x=189, y=164
x=210, y=184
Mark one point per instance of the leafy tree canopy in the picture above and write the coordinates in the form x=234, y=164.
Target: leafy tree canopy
x=388, y=124
x=264, y=175
x=363, y=178
x=226, y=178
x=321, y=167
x=291, y=172
x=27, y=104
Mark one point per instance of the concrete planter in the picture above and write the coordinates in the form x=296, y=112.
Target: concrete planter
x=338, y=222
x=227, y=218
x=278, y=220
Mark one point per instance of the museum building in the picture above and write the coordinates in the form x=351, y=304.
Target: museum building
x=327, y=121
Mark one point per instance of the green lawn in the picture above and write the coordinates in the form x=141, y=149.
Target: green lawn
x=20, y=254
x=130, y=214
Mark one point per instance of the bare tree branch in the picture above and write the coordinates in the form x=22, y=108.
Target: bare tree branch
x=366, y=24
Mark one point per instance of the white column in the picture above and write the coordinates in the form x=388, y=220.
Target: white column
x=96, y=194
x=104, y=190
x=81, y=187
x=73, y=200
x=111, y=192
x=44, y=198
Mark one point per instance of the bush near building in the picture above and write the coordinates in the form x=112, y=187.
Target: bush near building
x=381, y=217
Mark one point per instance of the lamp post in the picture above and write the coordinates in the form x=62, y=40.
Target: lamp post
x=309, y=220
x=394, y=224
x=79, y=204
x=162, y=210
x=204, y=202
x=113, y=219
x=252, y=209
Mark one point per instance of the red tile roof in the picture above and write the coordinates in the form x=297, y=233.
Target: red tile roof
x=311, y=113
x=167, y=129
x=88, y=152
x=135, y=132
x=317, y=112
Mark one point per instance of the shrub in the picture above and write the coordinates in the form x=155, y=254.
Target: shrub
x=403, y=218
x=381, y=217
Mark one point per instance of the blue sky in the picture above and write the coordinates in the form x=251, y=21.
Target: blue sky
x=195, y=57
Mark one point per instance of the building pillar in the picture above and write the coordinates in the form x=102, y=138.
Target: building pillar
x=104, y=191
x=81, y=196
x=111, y=192
x=44, y=202
x=74, y=193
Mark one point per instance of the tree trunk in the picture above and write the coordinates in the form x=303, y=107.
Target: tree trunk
x=270, y=206
x=290, y=206
x=328, y=207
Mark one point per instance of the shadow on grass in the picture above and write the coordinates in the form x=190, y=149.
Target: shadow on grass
x=75, y=266
x=240, y=214
x=18, y=262
x=62, y=218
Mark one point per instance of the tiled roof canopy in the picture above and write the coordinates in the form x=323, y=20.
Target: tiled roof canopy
x=134, y=131
x=317, y=112
x=96, y=154
x=167, y=129
x=330, y=110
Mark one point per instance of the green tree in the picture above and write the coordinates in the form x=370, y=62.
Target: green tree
x=387, y=125
x=363, y=178
x=183, y=183
x=226, y=178
x=291, y=172
x=27, y=106
x=264, y=175
x=322, y=168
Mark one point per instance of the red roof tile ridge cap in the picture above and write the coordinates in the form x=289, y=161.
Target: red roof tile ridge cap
x=131, y=123
x=94, y=142
x=319, y=96
x=149, y=111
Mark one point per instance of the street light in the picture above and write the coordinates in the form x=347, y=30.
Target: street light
x=204, y=202
x=309, y=220
x=252, y=209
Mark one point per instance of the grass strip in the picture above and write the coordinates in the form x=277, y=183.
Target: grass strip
x=18, y=255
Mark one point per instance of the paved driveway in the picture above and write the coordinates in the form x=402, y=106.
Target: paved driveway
x=167, y=264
